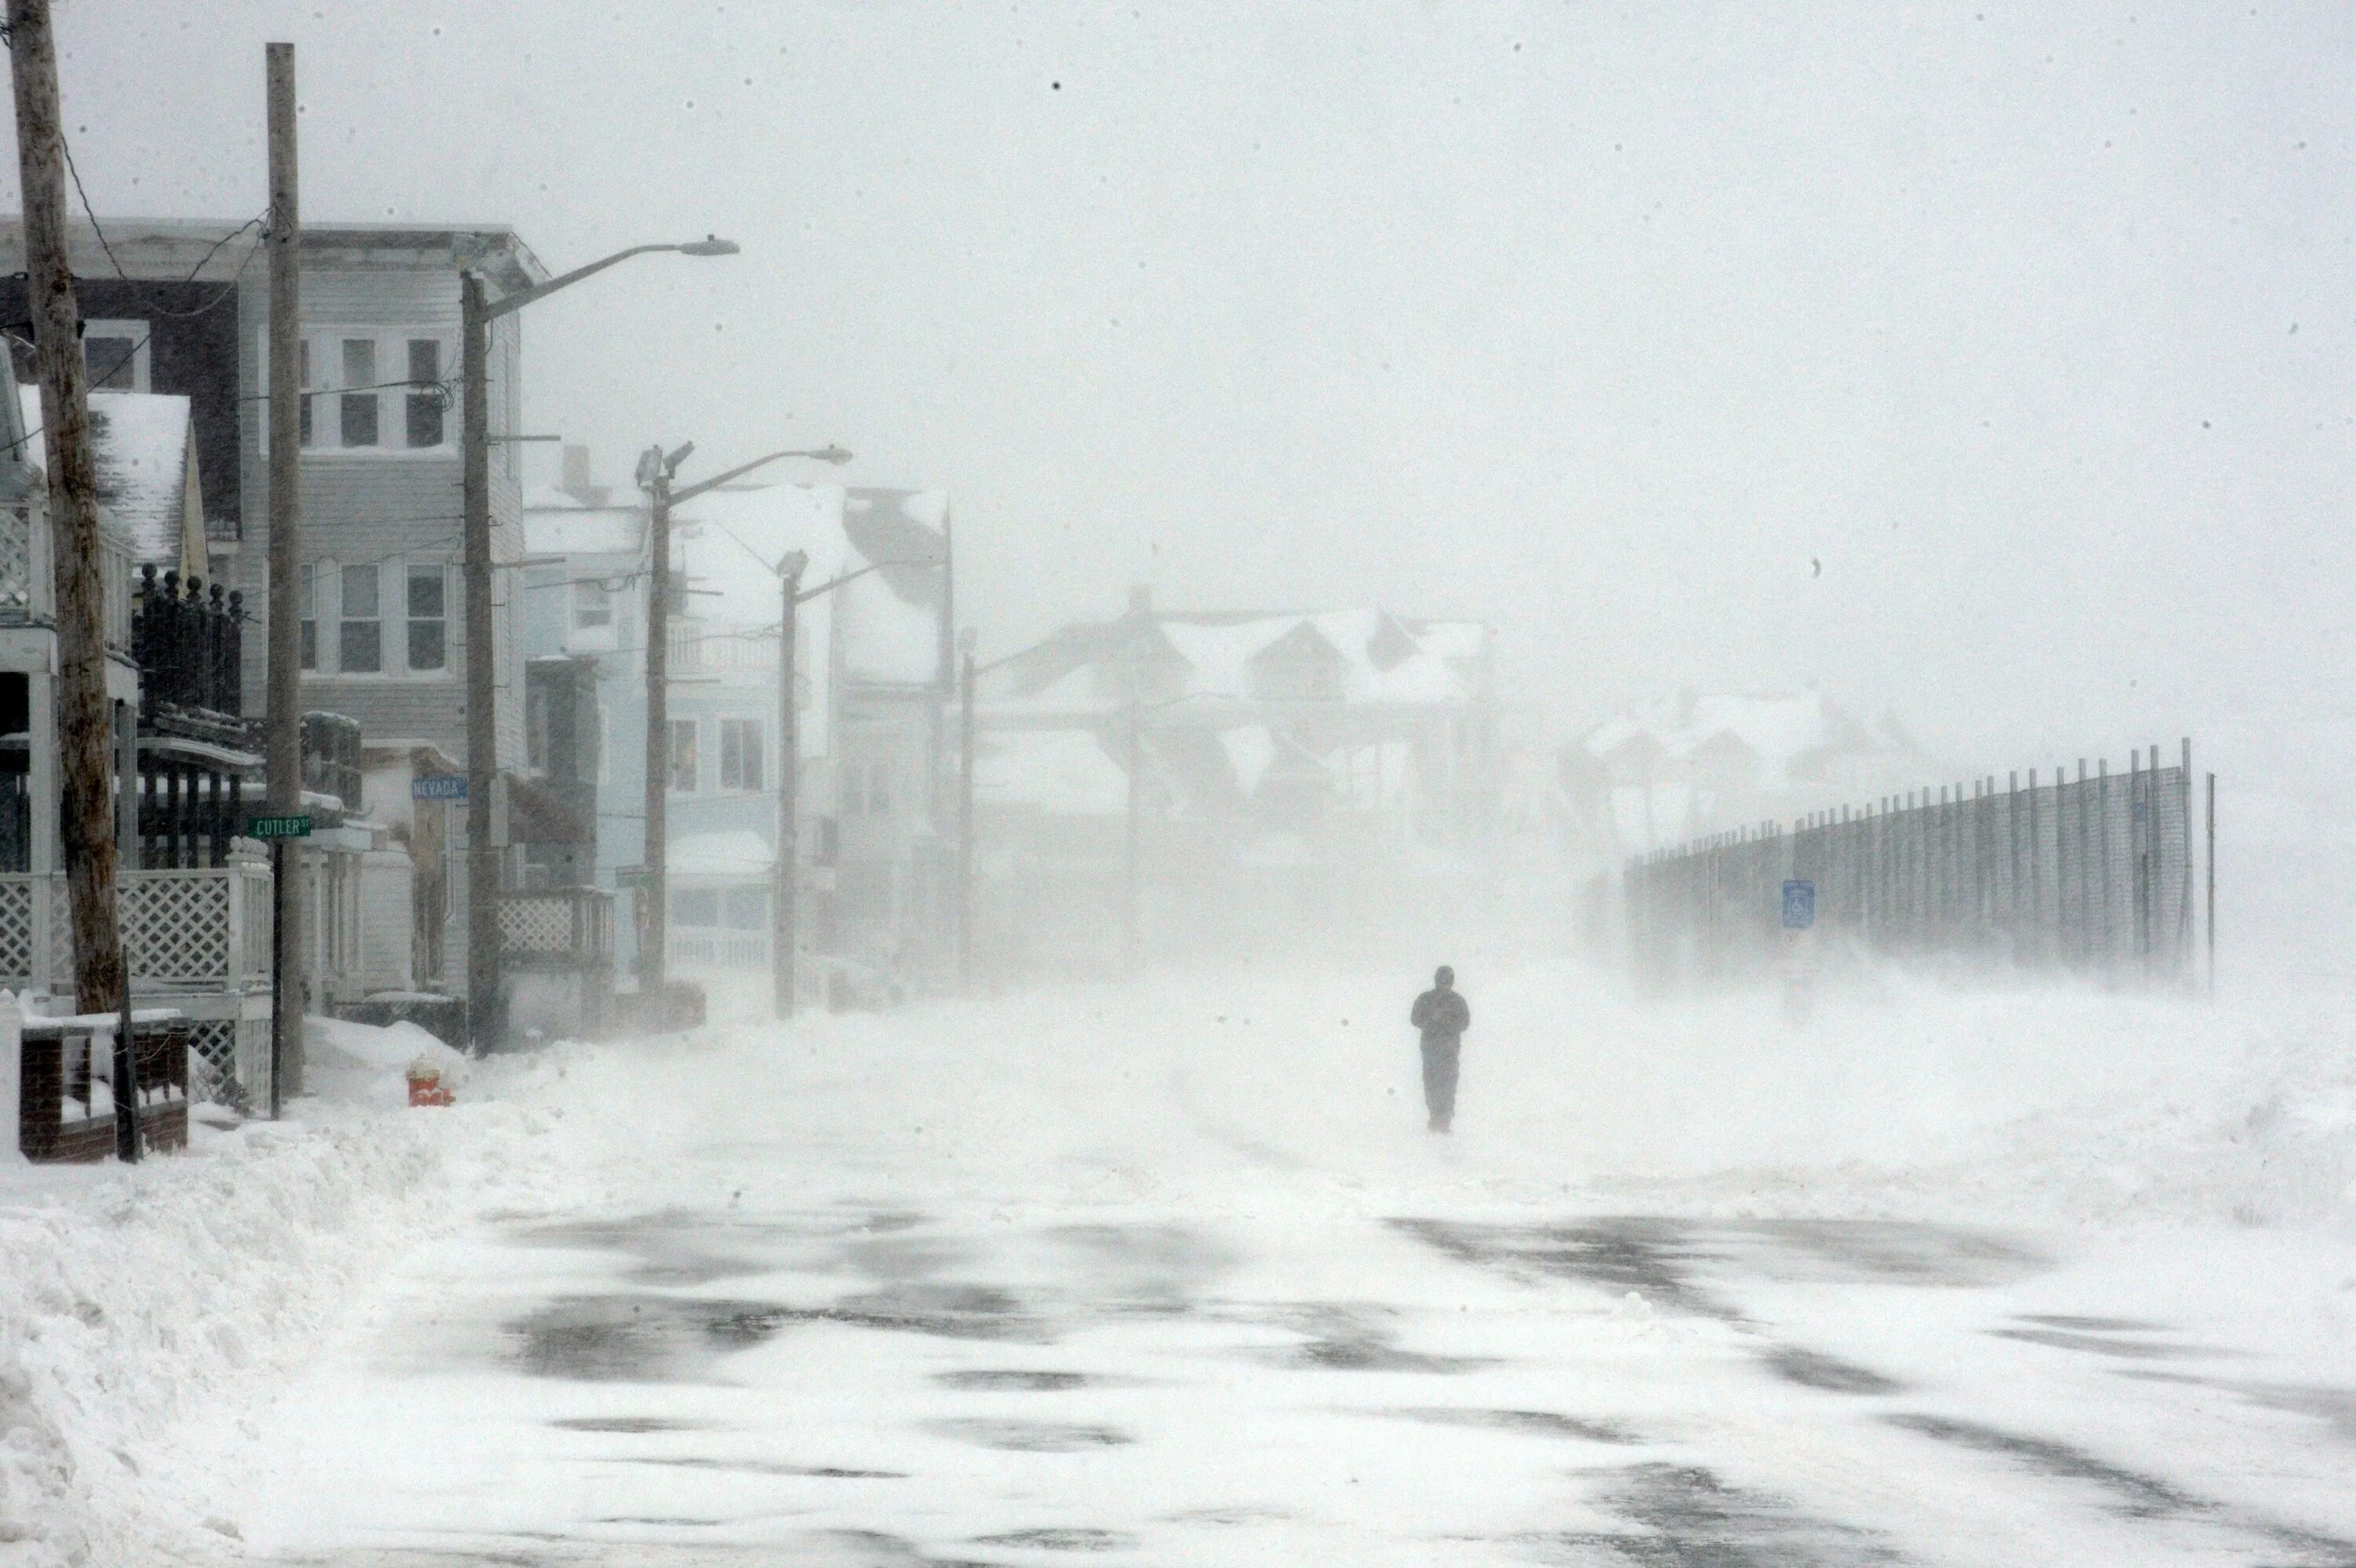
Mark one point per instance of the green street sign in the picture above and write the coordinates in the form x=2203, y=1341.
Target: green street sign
x=279, y=828
x=633, y=877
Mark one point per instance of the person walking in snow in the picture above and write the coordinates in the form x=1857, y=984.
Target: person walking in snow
x=1443, y=1016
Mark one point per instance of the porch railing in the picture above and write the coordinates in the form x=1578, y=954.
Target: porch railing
x=182, y=931
x=186, y=638
x=564, y=928
x=27, y=589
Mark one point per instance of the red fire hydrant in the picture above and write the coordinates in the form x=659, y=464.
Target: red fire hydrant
x=425, y=1084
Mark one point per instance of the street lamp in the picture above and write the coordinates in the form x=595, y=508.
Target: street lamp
x=785, y=878
x=484, y=1015
x=656, y=469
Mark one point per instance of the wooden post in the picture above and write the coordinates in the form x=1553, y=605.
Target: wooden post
x=85, y=733
x=784, y=913
x=483, y=1025
x=284, y=708
x=966, y=677
x=1132, y=921
x=655, y=889
x=2211, y=920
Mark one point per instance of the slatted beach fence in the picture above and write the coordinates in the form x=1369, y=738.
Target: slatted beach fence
x=2092, y=871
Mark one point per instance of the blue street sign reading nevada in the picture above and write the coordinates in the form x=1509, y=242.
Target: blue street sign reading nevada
x=438, y=786
x=1799, y=905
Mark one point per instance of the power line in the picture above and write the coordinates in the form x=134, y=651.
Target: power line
x=67, y=147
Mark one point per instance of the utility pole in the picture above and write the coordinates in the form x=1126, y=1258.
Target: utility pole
x=966, y=677
x=655, y=470
x=784, y=899
x=85, y=732
x=283, y=711
x=1130, y=921
x=483, y=1022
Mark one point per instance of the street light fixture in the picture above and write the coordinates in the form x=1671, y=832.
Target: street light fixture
x=656, y=469
x=485, y=1015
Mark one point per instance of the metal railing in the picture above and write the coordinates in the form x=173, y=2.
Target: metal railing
x=186, y=638
x=2093, y=873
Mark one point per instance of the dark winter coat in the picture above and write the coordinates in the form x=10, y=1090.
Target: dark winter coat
x=1441, y=1016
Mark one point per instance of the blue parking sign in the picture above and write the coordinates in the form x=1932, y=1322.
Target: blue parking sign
x=1799, y=905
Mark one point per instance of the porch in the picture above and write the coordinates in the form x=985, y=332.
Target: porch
x=196, y=941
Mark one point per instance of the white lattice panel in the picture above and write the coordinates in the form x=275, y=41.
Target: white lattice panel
x=536, y=925
x=16, y=561
x=15, y=932
x=176, y=929
x=175, y=926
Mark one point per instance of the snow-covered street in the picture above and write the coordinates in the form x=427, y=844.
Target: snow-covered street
x=1174, y=1275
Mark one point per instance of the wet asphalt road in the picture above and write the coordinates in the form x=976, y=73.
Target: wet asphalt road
x=872, y=1384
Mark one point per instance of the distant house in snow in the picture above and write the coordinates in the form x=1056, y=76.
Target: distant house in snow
x=873, y=675
x=1700, y=764
x=1277, y=757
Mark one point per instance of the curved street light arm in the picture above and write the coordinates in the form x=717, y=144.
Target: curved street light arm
x=823, y=454
x=507, y=304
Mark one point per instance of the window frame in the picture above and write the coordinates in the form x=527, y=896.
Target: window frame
x=322, y=404
x=410, y=571
x=140, y=334
x=686, y=729
x=346, y=620
x=747, y=739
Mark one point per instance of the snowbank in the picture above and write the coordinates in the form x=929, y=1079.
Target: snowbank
x=138, y=1302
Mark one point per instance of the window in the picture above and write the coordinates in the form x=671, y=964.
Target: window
x=429, y=617
x=115, y=352
x=682, y=755
x=358, y=409
x=425, y=399
x=593, y=604
x=695, y=906
x=740, y=753
x=303, y=356
x=310, y=614
x=359, y=644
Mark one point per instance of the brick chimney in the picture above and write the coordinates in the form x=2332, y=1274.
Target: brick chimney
x=575, y=482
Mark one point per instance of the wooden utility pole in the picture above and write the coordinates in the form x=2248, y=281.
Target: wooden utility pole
x=85, y=733
x=283, y=711
x=653, y=889
x=785, y=894
x=1132, y=840
x=484, y=1026
x=965, y=679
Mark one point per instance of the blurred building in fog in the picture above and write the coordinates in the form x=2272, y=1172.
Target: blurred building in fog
x=873, y=678
x=1691, y=765
x=1283, y=770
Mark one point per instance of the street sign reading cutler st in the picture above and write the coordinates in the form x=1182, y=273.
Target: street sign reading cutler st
x=278, y=827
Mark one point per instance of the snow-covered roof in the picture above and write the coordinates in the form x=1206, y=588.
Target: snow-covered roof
x=145, y=449
x=890, y=621
x=1382, y=659
x=1779, y=728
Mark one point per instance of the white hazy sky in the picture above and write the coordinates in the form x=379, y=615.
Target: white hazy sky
x=1607, y=322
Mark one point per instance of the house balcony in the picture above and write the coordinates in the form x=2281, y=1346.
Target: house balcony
x=27, y=583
